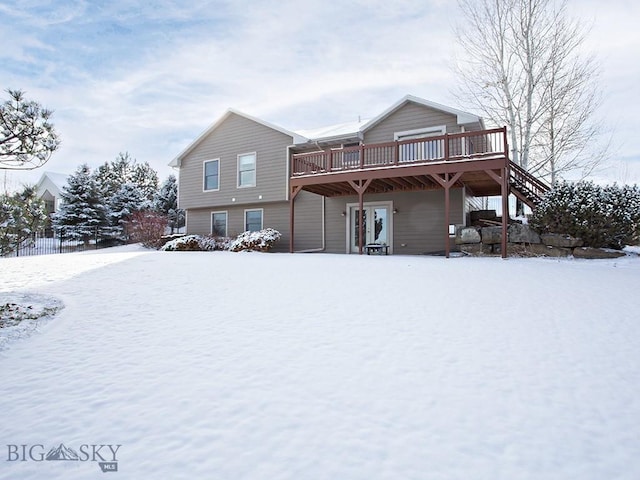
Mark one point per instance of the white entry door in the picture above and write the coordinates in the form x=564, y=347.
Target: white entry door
x=376, y=226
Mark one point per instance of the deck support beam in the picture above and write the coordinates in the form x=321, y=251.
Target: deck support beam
x=503, y=180
x=360, y=188
x=447, y=182
x=505, y=209
x=292, y=197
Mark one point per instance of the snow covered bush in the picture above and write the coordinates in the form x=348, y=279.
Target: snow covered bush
x=602, y=216
x=196, y=243
x=261, y=241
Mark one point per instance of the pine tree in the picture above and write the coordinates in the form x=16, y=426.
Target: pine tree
x=125, y=169
x=21, y=215
x=166, y=202
x=82, y=214
x=128, y=200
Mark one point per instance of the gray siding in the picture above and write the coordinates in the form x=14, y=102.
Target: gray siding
x=308, y=211
x=471, y=204
x=411, y=116
x=418, y=227
x=236, y=135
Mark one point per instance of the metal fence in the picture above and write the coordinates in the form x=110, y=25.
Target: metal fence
x=65, y=240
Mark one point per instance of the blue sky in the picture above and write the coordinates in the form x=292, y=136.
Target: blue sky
x=149, y=77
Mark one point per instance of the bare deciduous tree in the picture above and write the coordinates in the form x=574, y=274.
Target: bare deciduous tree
x=27, y=136
x=521, y=66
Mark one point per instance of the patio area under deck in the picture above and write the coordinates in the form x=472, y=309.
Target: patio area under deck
x=477, y=160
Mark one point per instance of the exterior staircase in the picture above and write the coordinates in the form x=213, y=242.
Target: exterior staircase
x=525, y=186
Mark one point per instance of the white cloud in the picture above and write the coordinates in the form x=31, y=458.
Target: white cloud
x=148, y=78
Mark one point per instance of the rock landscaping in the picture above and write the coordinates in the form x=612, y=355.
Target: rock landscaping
x=523, y=241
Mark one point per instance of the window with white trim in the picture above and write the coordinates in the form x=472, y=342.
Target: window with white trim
x=247, y=170
x=219, y=224
x=421, y=149
x=211, y=175
x=253, y=220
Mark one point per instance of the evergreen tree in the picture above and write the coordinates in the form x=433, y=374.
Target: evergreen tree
x=146, y=178
x=125, y=169
x=602, y=216
x=82, y=213
x=166, y=202
x=21, y=215
x=27, y=136
x=128, y=200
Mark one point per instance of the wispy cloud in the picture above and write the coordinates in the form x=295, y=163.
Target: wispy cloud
x=149, y=76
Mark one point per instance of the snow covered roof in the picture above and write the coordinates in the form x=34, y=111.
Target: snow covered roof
x=336, y=131
x=178, y=159
x=58, y=179
x=353, y=129
x=333, y=131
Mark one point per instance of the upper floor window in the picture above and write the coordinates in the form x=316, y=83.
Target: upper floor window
x=247, y=170
x=212, y=175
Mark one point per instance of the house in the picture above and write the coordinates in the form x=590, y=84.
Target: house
x=407, y=176
x=49, y=189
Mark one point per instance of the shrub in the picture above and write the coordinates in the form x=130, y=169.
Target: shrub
x=261, y=241
x=196, y=243
x=146, y=227
x=602, y=216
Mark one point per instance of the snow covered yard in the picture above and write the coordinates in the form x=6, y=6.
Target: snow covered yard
x=275, y=366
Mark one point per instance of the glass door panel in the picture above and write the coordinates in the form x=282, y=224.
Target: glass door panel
x=375, y=226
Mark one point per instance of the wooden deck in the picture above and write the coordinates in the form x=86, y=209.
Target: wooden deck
x=418, y=164
x=478, y=160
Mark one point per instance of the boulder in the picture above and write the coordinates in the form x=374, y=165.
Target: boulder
x=467, y=235
x=519, y=233
x=513, y=249
x=541, y=250
x=596, y=253
x=491, y=235
x=476, y=249
x=558, y=240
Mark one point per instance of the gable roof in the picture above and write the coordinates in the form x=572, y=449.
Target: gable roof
x=59, y=180
x=357, y=129
x=462, y=118
x=333, y=132
x=178, y=159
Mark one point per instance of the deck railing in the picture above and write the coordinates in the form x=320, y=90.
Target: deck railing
x=530, y=188
x=443, y=148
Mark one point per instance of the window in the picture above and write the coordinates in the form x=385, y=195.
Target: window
x=421, y=148
x=212, y=175
x=247, y=170
x=253, y=220
x=219, y=224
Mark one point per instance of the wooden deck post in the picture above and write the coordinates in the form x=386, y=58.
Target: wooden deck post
x=505, y=209
x=360, y=188
x=447, y=213
x=360, y=218
x=503, y=180
x=292, y=197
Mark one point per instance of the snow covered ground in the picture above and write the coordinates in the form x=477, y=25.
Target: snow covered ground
x=275, y=366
